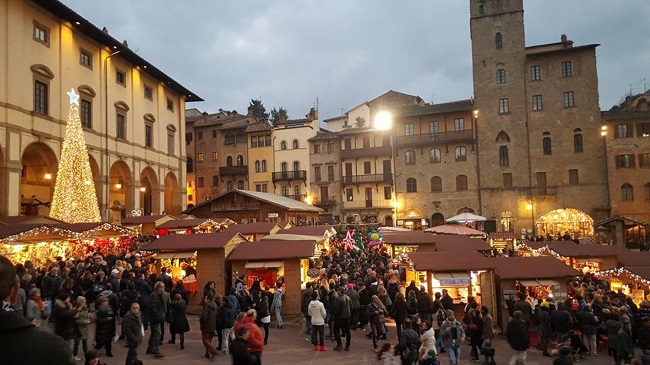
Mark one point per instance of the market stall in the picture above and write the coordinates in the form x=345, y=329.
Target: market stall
x=538, y=277
x=400, y=243
x=633, y=281
x=146, y=224
x=211, y=249
x=271, y=259
x=194, y=225
x=255, y=231
x=503, y=240
x=462, y=274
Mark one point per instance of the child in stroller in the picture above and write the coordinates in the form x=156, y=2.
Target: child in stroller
x=578, y=348
x=488, y=352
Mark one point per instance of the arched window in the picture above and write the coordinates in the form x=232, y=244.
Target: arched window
x=647, y=191
x=240, y=137
x=229, y=185
x=263, y=165
x=498, y=40
x=503, y=156
x=411, y=185
x=546, y=144
x=436, y=184
x=229, y=161
x=295, y=144
x=503, y=137
x=283, y=167
x=461, y=183
x=481, y=9
x=240, y=184
x=434, y=155
x=410, y=157
x=296, y=165
x=190, y=165
x=577, y=140
x=257, y=166
x=240, y=160
x=627, y=192
x=229, y=138
x=283, y=145
x=461, y=153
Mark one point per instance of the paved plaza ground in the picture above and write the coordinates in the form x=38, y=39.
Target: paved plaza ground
x=292, y=346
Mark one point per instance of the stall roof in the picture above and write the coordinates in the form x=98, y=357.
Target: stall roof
x=96, y=230
x=292, y=237
x=642, y=271
x=451, y=261
x=308, y=230
x=175, y=255
x=192, y=222
x=255, y=228
x=409, y=238
x=199, y=241
x=503, y=235
x=451, y=243
x=627, y=221
x=540, y=267
x=31, y=233
x=28, y=219
x=272, y=250
x=133, y=221
x=632, y=258
x=572, y=249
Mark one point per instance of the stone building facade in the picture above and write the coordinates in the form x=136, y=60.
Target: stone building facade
x=133, y=114
x=325, y=182
x=538, y=126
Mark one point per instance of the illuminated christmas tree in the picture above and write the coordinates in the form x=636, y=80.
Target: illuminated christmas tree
x=75, y=199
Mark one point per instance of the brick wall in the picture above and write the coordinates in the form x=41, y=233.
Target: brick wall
x=209, y=266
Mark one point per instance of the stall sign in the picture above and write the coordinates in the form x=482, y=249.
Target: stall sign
x=508, y=292
x=273, y=215
x=454, y=282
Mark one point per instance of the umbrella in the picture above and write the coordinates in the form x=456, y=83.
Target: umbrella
x=466, y=217
x=455, y=229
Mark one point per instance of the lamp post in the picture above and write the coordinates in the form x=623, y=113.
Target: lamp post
x=603, y=135
x=530, y=206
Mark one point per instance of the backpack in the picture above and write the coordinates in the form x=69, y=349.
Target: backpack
x=410, y=352
x=441, y=317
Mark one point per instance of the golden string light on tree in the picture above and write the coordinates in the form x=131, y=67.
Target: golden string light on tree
x=75, y=198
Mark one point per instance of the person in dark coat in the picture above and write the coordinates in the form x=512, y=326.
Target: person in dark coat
x=105, y=328
x=561, y=322
x=64, y=316
x=588, y=326
x=133, y=331
x=208, y=321
x=165, y=279
x=179, y=324
x=518, y=337
x=156, y=316
x=239, y=348
x=625, y=348
x=474, y=330
x=544, y=326
x=399, y=312
x=180, y=289
x=20, y=342
x=228, y=315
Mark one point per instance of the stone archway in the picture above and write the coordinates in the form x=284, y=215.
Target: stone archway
x=97, y=179
x=120, y=191
x=559, y=222
x=38, y=176
x=173, y=199
x=388, y=221
x=437, y=219
x=149, y=192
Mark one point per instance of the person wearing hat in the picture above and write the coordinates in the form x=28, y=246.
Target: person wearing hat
x=452, y=335
x=544, y=326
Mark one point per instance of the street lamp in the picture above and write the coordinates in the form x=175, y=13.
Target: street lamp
x=309, y=199
x=395, y=206
x=383, y=121
x=531, y=208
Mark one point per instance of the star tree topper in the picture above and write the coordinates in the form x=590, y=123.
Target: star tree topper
x=74, y=98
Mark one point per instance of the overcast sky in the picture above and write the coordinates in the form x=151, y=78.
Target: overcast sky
x=344, y=52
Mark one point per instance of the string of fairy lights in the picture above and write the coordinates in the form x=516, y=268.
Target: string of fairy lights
x=75, y=197
x=619, y=272
x=63, y=234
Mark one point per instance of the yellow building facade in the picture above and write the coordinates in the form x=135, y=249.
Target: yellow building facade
x=133, y=114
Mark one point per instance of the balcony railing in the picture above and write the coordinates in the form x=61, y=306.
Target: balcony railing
x=366, y=152
x=374, y=203
x=235, y=207
x=233, y=170
x=299, y=197
x=290, y=175
x=326, y=202
x=368, y=179
x=436, y=138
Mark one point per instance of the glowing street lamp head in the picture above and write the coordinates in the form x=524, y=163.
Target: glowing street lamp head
x=603, y=131
x=383, y=120
x=48, y=176
x=309, y=199
x=529, y=206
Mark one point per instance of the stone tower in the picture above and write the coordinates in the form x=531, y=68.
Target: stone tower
x=538, y=123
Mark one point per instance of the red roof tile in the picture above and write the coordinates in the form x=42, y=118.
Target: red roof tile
x=541, y=267
x=193, y=241
x=273, y=250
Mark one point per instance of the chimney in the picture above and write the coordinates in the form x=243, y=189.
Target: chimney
x=282, y=115
x=313, y=114
x=250, y=111
x=565, y=42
